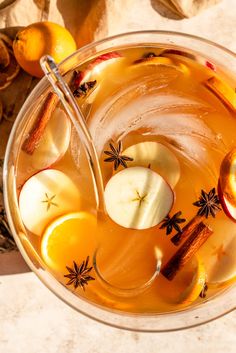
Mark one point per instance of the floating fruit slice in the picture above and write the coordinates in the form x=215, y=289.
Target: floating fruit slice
x=157, y=157
x=186, y=286
x=54, y=142
x=160, y=60
x=228, y=208
x=219, y=253
x=96, y=67
x=88, y=81
x=223, y=91
x=154, y=60
x=138, y=198
x=180, y=53
x=4, y=55
x=101, y=62
x=227, y=178
x=45, y=196
x=195, y=270
x=68, y=238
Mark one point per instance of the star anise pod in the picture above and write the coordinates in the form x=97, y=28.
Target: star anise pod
x=173, y=222
x=79, y=274
x=115, y=155
x=208, y=203
x=80, y=89
x=84, y=88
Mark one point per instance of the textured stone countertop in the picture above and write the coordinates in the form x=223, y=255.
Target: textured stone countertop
x=33, y=320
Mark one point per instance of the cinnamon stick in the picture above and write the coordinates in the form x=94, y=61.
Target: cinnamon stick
x=186, y=231
x=197, y=238
x=37, y=130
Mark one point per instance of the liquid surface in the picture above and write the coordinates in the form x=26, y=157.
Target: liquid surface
x=139, y=99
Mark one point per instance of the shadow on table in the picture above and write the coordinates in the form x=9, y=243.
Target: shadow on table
x=85, y=19
x=12, y=263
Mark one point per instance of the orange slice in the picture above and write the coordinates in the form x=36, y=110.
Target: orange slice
x=163, y=61
x=159, y=60
x=185, y=288
x=4, y=55
x=191, y=293
x=69, y=238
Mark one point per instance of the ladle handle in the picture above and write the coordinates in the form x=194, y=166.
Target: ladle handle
x=68, y=101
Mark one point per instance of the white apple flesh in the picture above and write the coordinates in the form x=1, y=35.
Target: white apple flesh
x=96, y=67
x=96, y=70
x=45, y=196
x=157, y=157
x=138, y=198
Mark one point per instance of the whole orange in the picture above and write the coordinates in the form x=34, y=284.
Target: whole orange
x=39, y=39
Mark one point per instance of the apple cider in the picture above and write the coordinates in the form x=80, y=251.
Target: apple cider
x=163, y=124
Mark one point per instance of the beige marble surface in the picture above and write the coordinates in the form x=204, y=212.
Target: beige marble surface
x=33, y=320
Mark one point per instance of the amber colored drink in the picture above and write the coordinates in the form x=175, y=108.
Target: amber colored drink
x=159, y=110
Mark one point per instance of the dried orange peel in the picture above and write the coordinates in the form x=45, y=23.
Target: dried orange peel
x=7, y=40
x=9, y=67
x=4, y=56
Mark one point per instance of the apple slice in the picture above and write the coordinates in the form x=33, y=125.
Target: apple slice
x=157, y=157
x=228, y=208
x=95, y=68
x=179, y=52
x=225, y=92
x=227, y=178
x=54, y=142
x=218, y=253
x=45, y=196
x=93, y=75
x=138, y=198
